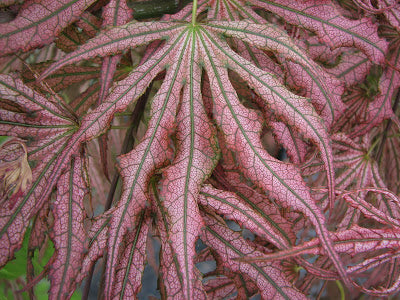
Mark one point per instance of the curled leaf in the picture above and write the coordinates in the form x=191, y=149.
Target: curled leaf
x=15, y=172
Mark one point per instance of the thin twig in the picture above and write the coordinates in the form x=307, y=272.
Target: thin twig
x=321, y=290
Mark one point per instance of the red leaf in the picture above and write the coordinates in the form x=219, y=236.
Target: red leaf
x=196, y=155
x=47, y=128
x=352, y=241
x=172, y=282
x=137, y=167
x=276, y=97
x=381, y=108
x=206, y=82
x=353, y=67
x=128, y=278
x=38, y=23
x=323, y=18
x=230, y=206
x=241, y=128
x=68, y=235
x=115, y=13
x=269, y=279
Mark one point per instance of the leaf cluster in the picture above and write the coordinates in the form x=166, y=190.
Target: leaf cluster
x=235, y=148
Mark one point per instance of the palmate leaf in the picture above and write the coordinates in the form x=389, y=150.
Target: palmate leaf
x=46, y=128
x=138, y=33
x=61, y=136
x=381, y=107
x=220, y=86
x=304, y=74
x=360, y=170
x=242, y=136
x=354, y=241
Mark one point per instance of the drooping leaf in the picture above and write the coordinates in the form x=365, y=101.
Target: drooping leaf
x=270, y=281
x=38, y=23
x=15, y=173
x=172, y=282
x=100, y=44
x=68, y=235
x=62, y=79
x=275, y=97
x=352, y=241
x=131, y=264
x=228, y=205
x=197, y=156
x=46, y=128
x=333, y=29
x=229, y=95
x=255, y=162
x=115, y=13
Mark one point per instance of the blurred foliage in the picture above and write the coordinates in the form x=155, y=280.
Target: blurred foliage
x=13, y=275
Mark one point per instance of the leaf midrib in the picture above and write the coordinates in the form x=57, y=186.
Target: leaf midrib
x=121, y=220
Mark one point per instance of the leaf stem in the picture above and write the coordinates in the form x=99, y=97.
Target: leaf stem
x=194, y=12
x=341, y=290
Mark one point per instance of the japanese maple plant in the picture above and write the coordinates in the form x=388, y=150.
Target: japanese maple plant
x=258, y=138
